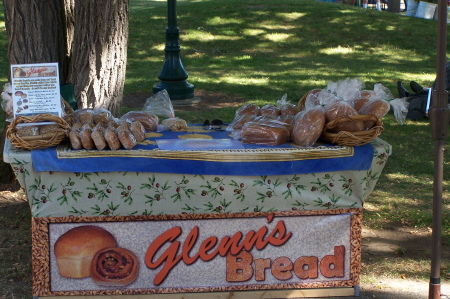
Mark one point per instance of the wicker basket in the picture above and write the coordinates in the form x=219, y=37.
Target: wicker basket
x=352, y=138
x=30, y=142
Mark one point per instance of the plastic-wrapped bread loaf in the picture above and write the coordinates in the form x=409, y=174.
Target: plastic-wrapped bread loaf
x=149, y=121
x=248, y=109
x=339, y=109
x=265, y=134
x=308, y=126
x=379, y=108
x=270, y=110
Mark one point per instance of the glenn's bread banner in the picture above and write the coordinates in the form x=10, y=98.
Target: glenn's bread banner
x=196, y=252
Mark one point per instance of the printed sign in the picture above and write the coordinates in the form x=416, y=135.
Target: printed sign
x=192, y=253
x=35, y=89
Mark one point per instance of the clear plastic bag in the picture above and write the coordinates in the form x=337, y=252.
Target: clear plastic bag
x=159, y=104
x=347, y=89
x=7, y=102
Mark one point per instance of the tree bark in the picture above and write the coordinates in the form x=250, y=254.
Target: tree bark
x=99, y=53
x=36, y=32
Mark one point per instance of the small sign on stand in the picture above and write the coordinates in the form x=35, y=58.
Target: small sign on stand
x=35, y=89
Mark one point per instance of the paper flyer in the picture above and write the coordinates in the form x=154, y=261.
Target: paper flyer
x=35, y=89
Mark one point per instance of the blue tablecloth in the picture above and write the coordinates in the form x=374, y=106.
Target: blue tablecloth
x=205, y=152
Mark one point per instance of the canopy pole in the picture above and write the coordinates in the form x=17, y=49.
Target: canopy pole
x=439, y=117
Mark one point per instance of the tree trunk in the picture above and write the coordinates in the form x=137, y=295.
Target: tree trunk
x=99, y=53
x=36, y=32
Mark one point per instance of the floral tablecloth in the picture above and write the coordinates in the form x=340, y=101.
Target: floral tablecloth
x=60, y=194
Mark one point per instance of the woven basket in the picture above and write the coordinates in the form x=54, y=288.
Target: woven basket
x=50, y=139
x=352, y=138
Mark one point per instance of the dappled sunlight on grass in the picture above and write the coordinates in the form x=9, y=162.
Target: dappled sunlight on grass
x=278, y=37
x=219, y=20
x=291, y=16
x=338, y=50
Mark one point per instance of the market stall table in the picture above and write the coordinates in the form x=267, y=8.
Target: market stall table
x=210, y=189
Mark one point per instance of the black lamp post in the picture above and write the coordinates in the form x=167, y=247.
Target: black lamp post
x=173, y=75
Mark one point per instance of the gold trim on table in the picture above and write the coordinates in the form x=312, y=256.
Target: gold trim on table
x=231, y=155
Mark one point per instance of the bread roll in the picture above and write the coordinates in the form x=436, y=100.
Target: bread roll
x=112, y=138
x=101, y=115
x=138, y=131
x=85, y=137
x=99, y=140
x=75, y=141
x=308, y=126
x=126, y=138
x=114, y=266
x=75, y=249
x=379, y=108
x=265, y=134
x=339, y=109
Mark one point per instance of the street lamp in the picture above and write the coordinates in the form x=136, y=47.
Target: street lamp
x=173, y=75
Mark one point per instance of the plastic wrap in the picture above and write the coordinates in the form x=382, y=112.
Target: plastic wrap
x=159, y=104
x=308, y=126
x=7, y=102
x=239, y=121
x=286, y=108
x=248, y=109
x=265, y=134
x=270, y=110
x=347, y=89
x=322, y=97
x=149, y=121
x=174, y=124
x=400, y=108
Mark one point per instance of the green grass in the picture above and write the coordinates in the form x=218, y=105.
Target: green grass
x=259, y=50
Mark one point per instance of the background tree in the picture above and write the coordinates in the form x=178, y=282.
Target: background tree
x=87, y=38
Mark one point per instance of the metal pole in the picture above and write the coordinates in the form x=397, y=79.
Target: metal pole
x=439, y=117
x=173, y=75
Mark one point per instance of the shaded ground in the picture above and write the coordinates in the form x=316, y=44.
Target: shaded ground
x=387, y=255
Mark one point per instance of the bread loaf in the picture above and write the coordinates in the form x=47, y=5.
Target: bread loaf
x=339, y=109
x=270, y=110
x=248, y=109
x=240, y=121
x=308, y=126
x=149, y=121
x=265, y=134
x=75, y=249
x=289, y=109
x=378, y=107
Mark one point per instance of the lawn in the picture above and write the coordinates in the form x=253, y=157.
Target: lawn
x=260, y=50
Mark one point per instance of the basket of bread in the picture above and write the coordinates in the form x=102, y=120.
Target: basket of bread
x=41, y=130
x=342, y=113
